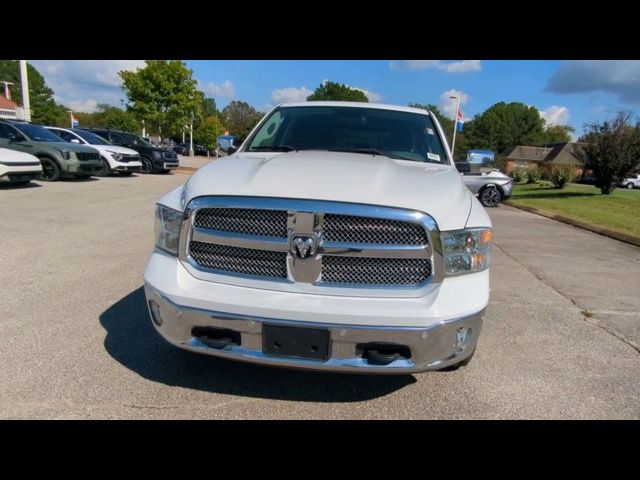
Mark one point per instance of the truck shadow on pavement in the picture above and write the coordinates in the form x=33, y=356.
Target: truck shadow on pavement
x=133, y=342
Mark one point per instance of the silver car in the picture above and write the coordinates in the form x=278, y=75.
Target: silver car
x=489, y=184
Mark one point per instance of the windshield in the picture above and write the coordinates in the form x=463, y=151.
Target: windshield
x=91, y=138
x=37, y=133
x=122, y=138
x=372, y=131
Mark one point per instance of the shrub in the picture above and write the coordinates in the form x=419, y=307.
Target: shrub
x=561, y=174
x=519, y=174
x=534, y=175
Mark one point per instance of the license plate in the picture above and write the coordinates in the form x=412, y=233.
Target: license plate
x=298, y=342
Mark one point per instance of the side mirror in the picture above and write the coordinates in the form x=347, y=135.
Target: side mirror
x=15, y=137
x=75, y=140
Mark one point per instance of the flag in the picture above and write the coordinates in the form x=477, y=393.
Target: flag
x=74, y=121
x=460, y=121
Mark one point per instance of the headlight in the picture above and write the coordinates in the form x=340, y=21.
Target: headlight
x=466, y=251
x=116, y=156
x=167, y=229
x=157, y=154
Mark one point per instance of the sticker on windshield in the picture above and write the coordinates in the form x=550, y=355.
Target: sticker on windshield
x=430, y=131
x=433, y=156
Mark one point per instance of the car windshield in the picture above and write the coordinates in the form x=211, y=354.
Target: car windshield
x=37, y=133
x=371, y=131
x=123, y=138
x=91, y=138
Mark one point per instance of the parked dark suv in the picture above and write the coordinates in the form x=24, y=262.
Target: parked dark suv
x=153, y=159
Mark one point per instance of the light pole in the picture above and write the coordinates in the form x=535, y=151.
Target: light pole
x=455, y=123
x=191, y=137
x=24, y=79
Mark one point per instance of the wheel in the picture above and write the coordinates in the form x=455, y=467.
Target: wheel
x=106, y=169
x=50, y=170
x=463, y=363
x=147, y=166
x=629, y=185
x=490, y=197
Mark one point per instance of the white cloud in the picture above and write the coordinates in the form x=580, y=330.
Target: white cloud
x=83, y=105
x=448, y=105
x=82, y=84
x=555, y=115
x=461, y=66
x=290, y=94
x=619, y=77
x=212, y=89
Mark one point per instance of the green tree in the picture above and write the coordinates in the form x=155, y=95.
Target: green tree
x=240, y=118
x=164, y=94
x=108, y=116
x=209, y=108
x=615, y=150
x=504, y=125
x=207, y=131
x=337, y=92
x=557, y=134
x=44, y=108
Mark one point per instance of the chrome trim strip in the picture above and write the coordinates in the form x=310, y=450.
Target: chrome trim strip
x=241, y=240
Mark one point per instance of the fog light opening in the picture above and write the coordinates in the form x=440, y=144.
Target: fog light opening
x=155, y=312
x=463, y=336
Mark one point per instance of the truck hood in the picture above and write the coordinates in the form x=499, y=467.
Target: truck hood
x=14, y=157
x=356, y=178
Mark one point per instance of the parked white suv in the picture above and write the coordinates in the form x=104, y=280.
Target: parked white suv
x=115, y=159
x=338, y=237
x=18, y=167
x=632, y=181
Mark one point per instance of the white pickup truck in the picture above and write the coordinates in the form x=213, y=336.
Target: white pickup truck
x=339, y=236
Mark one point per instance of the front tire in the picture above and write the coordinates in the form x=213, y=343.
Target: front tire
x=147, y=166
x=490, y=197
x=50, y=170
x=106, y=169
x=629, y=186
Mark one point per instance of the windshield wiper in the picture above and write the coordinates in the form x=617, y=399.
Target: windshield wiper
x=275, y=148
x=369, y=151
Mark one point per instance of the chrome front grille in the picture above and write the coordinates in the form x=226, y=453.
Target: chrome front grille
x=325, y=244
x=353, y=229
x=266, y=223
x=248, y=261
x=375, y=271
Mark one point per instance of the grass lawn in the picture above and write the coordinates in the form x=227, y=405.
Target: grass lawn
x=619, y=211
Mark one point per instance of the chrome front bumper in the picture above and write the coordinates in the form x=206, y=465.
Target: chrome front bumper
x=432, y=348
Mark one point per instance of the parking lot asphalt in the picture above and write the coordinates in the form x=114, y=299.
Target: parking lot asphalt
x=560, y=339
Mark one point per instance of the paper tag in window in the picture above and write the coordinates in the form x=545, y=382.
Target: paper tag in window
x=430, y=131
x=433, y=156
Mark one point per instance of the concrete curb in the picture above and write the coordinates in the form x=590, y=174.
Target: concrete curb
x=622, y=237
x=185, y=170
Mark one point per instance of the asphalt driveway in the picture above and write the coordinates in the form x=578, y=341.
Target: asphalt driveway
x=560, y=339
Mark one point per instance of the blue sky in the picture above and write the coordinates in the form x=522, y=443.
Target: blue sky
x=566, y=92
